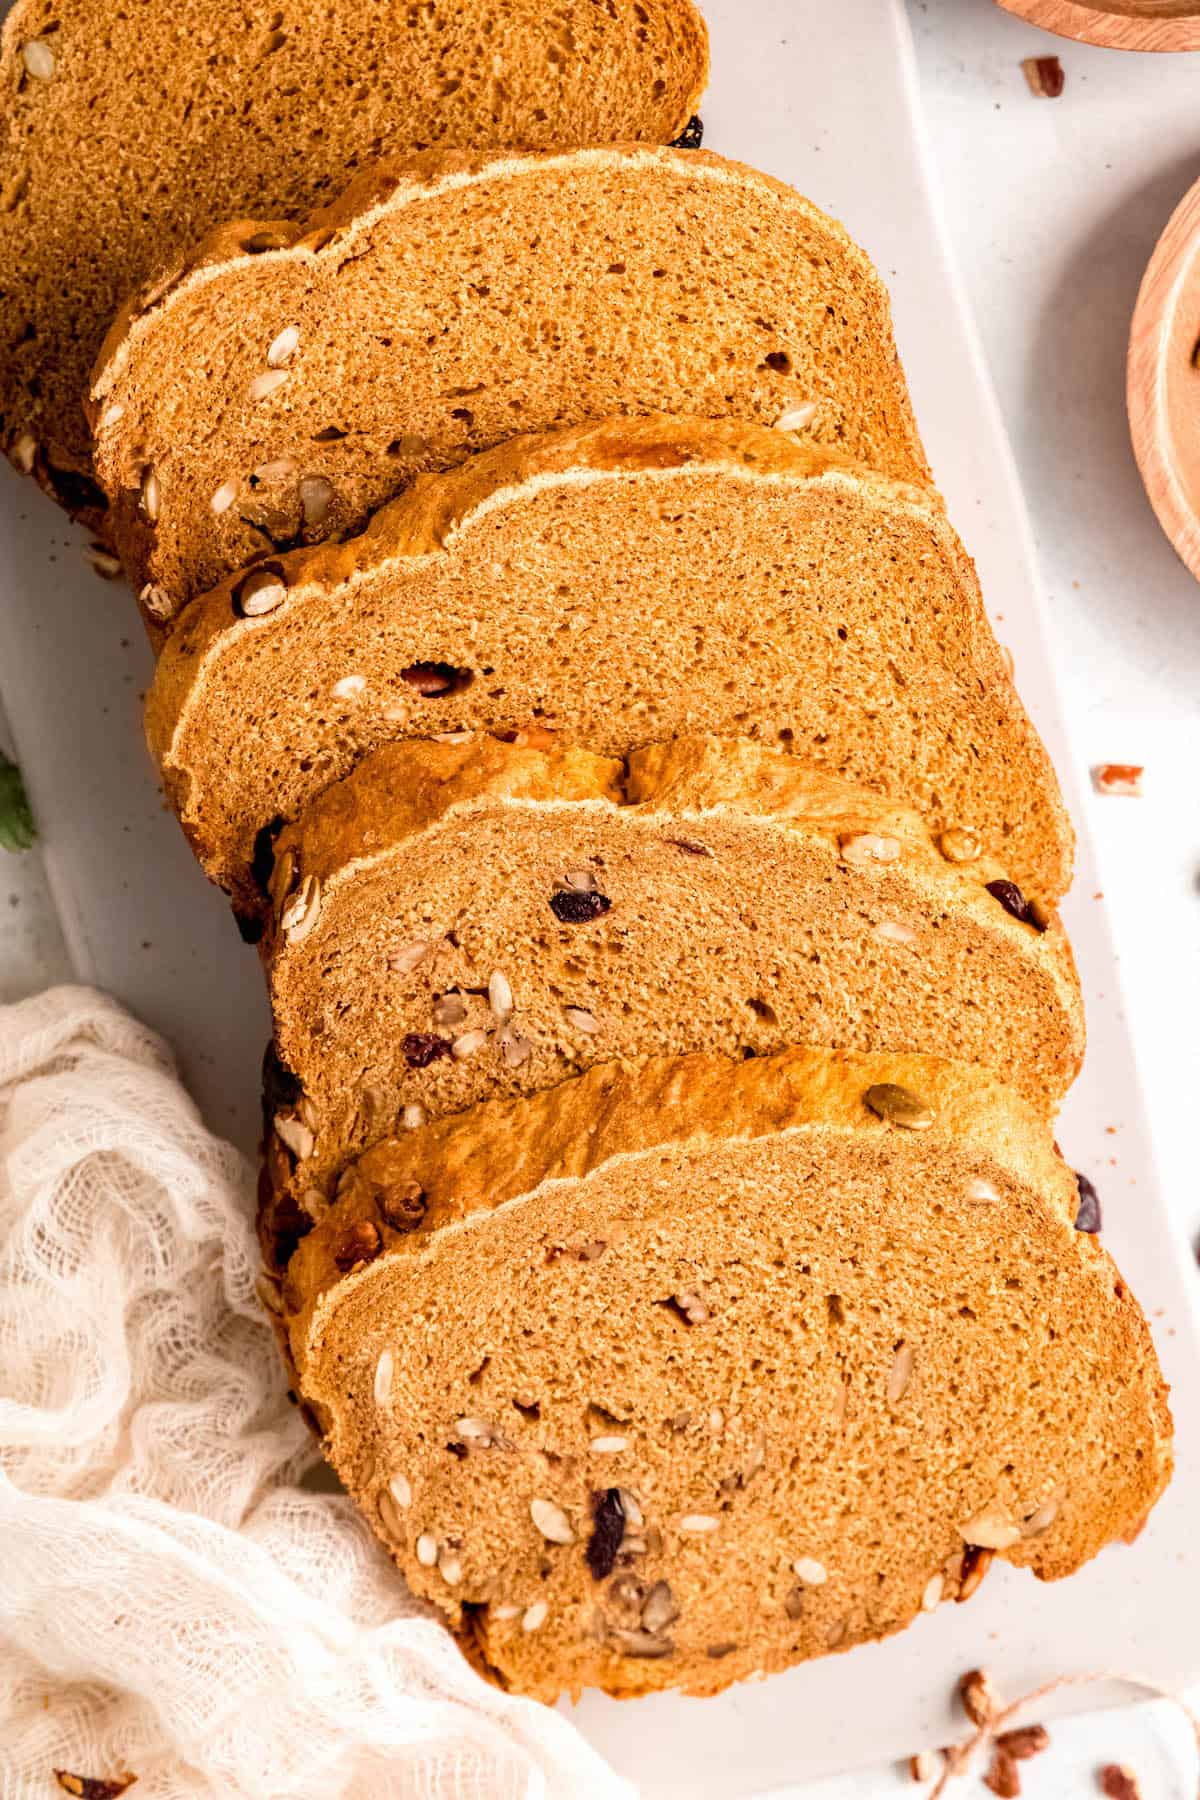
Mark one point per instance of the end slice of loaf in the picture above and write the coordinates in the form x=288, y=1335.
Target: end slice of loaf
x=620, y=583
x=128, y=132
x=471, y=919
x=693, y=1369
x=275, y=398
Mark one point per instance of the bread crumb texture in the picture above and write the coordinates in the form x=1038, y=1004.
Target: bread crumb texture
x=619, y=583
x=691, y=1369
x=461, y=920
x=127, y=131
x=445, y=299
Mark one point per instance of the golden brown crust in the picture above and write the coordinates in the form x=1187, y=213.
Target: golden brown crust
x=862, y=396
x=443, y=521
x=729, y=1160
x=205, y=115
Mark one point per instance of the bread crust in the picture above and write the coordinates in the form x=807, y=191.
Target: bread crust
x=443, y=521
x=507, y=1171
x=137, y=426
x=141, y=129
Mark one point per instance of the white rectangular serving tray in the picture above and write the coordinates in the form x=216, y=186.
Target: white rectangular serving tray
x=823, y=95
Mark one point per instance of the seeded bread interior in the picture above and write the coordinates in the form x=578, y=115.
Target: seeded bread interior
x=619, y=583
x=695, y=1368
x=461, y=920
x=126, y=132
x=448, y=299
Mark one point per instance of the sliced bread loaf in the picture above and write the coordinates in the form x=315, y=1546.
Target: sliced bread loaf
x=128, y=131
x=470, y=919
x=689, y=1370
x=620, y=582
x=269, y=396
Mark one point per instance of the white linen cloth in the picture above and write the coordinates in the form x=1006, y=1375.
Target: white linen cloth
x=171, y=1603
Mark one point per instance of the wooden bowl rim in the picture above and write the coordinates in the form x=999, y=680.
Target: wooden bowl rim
x=1096, y=24
x=1145, y=392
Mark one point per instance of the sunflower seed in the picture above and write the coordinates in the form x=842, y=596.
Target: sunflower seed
x=224, y=497
x=551, y=1521
x=427, y=1550
x=500, y=996
x=638, y=1643
x=698, y=1522
x=316, y=497
x=259, y=592
x=404, y=961
x=514, y=1048
x=506, y=1610
x=869, y=847
x=113, y=413
x=534, y=1616
x=931, y=1593
x=960, y=846
x=810, y=1571
x=693, y=1308
x=923, y=1766
x=38, y=59
x=716, y=1420
x=901, y=1373
x=265, y=240
x=899, y=1106
x=449, y=1009
x=891, y=931
x=631, y=1509
x=413, y=1117
x=627, y=1594
x=981, y=1190
x=989, y=1531
x=796, y=417
x=449, y=1568
x=349, y=687
x=277, y=470
x=578, y=881
x=302, y=911
x=1041, y=1520
x=468, y=1044
x=384, y=1370
x=659, y=1608
x=835, y=1635
x=266, y=383
x=283, y=346
x=475, y=1431
x=400, y=1488
x=295, y=1134
x=580, y=1018
x=150, y=496
x=610, y=1446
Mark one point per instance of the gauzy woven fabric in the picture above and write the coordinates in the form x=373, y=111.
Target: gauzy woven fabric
x=172, y=1605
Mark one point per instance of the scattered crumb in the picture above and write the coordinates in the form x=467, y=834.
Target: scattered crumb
x=1118, y=1782
x=1004, y=1777
x=1118, y=778
x=1045, y=75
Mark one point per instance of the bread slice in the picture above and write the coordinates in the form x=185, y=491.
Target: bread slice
x=128, y=132
x=444, y=301
x=691, y=1369
x=621, y=583
x=463, y=920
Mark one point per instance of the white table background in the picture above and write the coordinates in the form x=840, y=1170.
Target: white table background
x=1053, y=208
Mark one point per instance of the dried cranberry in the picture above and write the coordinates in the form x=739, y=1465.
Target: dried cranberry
x=433, y=679
x=608, y=1528
x=422, y=1048
x=1013, y=901
x=692, y=135
x=574, y=908
x=1088, y=1216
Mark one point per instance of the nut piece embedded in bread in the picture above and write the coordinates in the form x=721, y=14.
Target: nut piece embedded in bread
x=445, y=299
x=129, y=132
x=461, y=920
x=617, y=583
x=695, y=1368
